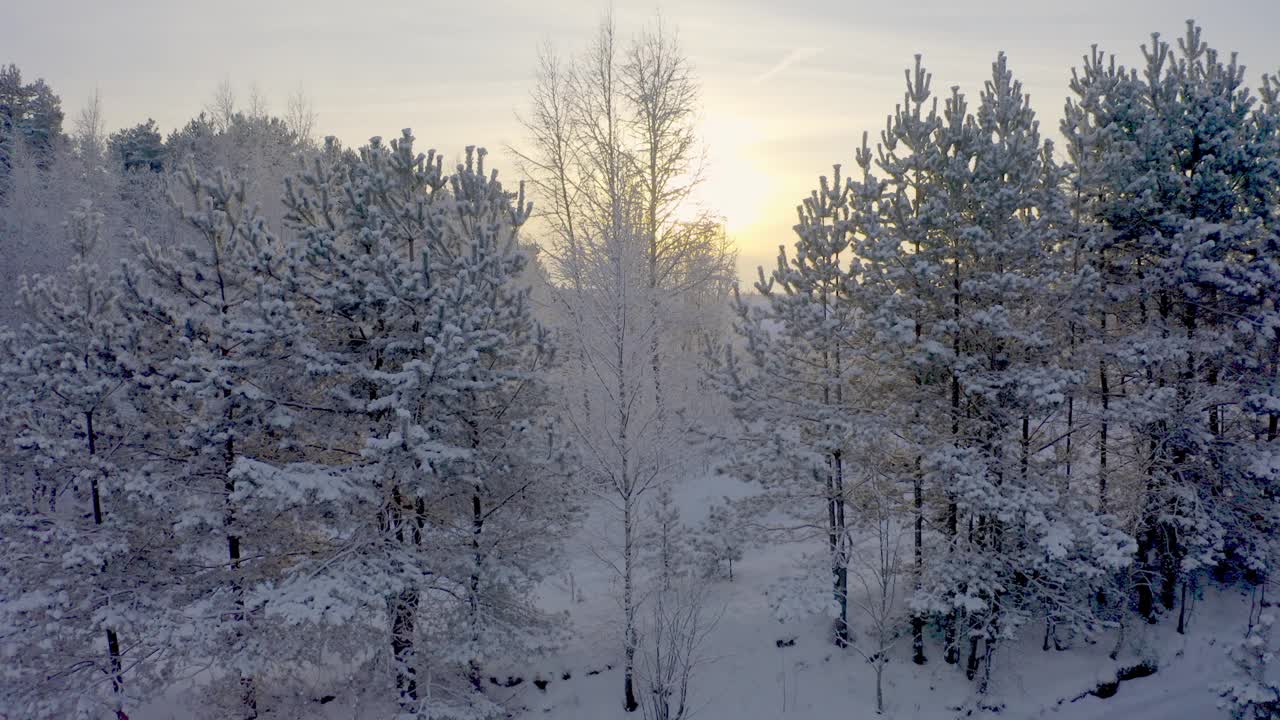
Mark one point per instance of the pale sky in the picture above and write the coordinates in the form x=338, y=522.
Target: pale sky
x=788, y=86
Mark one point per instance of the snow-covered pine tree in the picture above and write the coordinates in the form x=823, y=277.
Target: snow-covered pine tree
x=907, y=301
x=1176, y=171
x=215, y=336
x=1032, y=549
x=139, y=148
x=666, y=541
x=794, y=387
x=1253, y=692
x=75, y=580
x=519, y=506
x=721, y=540
x=31, y=114
x=259, y=150
x=441, y=475
x=40, y=191
x=966, y=286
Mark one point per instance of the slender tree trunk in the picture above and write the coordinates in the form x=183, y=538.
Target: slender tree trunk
x=951, y=653
x=628, y=489
x=971, y=669
x=1171, y=550
x=839, y=564
x=113, y=642
x=1105, y=393
x=917, y=619
x=1151, y=550
x=655, y=345
x=629, y=612
x=917, y=498
x=1146, y=543
x=989, y=646
x=1273, y=419
x=879, y=688
x=404, y=608
x=1071, y=427
x=1182, y=611
x=1071, y=398
x=833, y=386
x=1211, y=376
x=473, y=592
x=248, y=690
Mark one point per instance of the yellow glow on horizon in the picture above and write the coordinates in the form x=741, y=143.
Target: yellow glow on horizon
x=736, y=185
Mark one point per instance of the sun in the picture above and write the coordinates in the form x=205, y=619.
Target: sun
x=735, y=185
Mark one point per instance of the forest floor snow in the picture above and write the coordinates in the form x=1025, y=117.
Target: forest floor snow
x=749, y=674
x=757, y=667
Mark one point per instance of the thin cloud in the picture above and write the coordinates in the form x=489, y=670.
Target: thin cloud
x=795, y=56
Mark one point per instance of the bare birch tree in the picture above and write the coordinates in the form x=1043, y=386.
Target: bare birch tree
x=300, y=114
x=877, y=570
x=90, y=129
x=612, y=160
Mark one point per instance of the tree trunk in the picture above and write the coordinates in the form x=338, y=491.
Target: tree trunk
x=839, y=564
x=1105, y=393
x=989, y=646
x=917, y=620
x=1182, y=611
x=473, y=593
x=950, y=653
x=1148, y=560
x=1273, y=420
x=879, y=688
x=971, y=670
x=248, y=691
x=404, y=607
x=629, y=702
x=1146, y=597
x=113, y=642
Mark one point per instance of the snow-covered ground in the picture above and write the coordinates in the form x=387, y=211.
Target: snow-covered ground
x=749, y=677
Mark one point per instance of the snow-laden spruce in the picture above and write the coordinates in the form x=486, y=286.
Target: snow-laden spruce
x=422, y=355
x=214, y=332
x=1176, y=180
x=914, y=335
x=80, y=589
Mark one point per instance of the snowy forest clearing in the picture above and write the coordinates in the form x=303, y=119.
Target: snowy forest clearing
x=752, y=673
x=300, y=431
x=748, y=677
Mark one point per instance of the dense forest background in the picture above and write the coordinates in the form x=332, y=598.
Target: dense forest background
x=294, y=429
